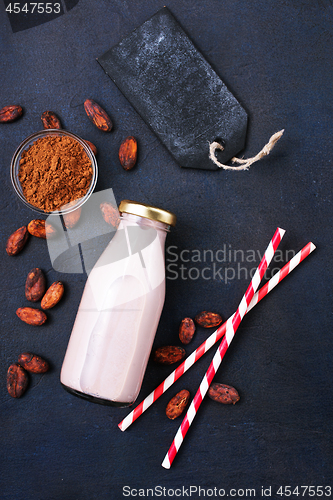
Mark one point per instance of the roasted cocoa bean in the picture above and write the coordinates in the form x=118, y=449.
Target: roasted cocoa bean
x=169, y=354
x=50, y=231
x=177, y=404
x=41, y=229
x=128, y=152
x=92, y=146
x=36, y=228
x=223, y=393
x=50, y=120
x=110, y=214
x=10, y=113
x=186, y=330
x=53, y=295
x=33, y=363
x=97, y=115
x=17, y=240
x=35, y=285
x=17, y=380
x=72, y=218
x=31, y=316
x=208, y=319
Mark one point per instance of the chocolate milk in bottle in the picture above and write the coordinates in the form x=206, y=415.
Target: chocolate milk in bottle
x=117, y=319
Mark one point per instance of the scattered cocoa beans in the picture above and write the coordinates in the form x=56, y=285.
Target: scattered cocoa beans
x=36, y=228
x=10, y=113
x=33, y=363
x=35, y=285
x=50, y=231
x=110, y=214
x=223, y=393
x=50, y=120
x=41, y=229
x=17, y=376
x=97, y=115
x=128, y=152
x=31, y=316
x=177, y=404
x=168, y=355
x=92, y=146
x=17, y=240
x=72, y=218
x=52, y=295
x=17, y=380
x=208, y=319
x=186, y=330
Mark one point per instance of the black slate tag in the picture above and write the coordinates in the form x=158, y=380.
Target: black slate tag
x=176, y=92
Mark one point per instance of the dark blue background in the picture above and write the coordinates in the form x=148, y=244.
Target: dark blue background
x=276, y=57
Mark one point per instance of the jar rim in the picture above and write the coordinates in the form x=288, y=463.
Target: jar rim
x=148, y=212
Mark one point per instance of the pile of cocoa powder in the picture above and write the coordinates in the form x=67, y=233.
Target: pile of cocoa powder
x=54, y=171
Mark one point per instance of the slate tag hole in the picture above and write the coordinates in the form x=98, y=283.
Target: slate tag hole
x=220, y=141
x=218, y=152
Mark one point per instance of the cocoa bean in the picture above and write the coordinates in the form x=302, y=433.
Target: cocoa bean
x=41, y=229
x=92, y=146
x=186, y=330
x=223, y=393
x=17, y=380
x=168, y=355
x=50, y=120
x=208, y=319
x=36, y=228
x=50, y=231
x=72, y=218
x=33, y=363
x=31, y=316
x=110, y=214
x=177, y=404
x=97, y=115
x=10, y=113
x=35, y=285
x=53, y=295
x=17, y=240
x=128, y=152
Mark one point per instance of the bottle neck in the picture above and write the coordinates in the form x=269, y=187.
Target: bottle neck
x=143, y=221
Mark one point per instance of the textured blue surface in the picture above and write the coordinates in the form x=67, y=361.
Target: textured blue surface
x=276, y=58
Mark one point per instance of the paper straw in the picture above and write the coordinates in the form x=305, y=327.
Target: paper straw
x=212, y=339
x=232, y=326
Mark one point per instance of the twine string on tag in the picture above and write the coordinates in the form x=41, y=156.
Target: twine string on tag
x=244, y=163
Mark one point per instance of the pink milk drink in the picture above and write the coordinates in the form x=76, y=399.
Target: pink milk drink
x=117, y=319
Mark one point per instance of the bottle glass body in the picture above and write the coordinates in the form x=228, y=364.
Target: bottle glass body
x=119, y=312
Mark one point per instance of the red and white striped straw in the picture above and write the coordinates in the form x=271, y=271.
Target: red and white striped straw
x=212, y=339
x=226, y=341
x=280, y=275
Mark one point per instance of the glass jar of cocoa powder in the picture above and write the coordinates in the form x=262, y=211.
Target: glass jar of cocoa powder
x=53, y=170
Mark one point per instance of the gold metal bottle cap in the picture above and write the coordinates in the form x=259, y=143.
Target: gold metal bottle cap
x=147, y=211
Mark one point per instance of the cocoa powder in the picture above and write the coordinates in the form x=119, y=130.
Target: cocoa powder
x=54, y=171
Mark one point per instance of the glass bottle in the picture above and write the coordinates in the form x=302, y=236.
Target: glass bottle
x=119, y=312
